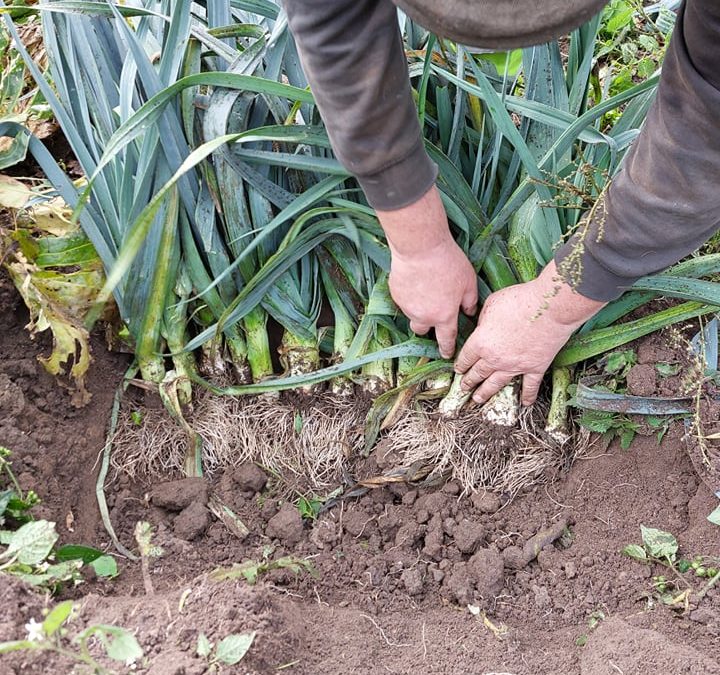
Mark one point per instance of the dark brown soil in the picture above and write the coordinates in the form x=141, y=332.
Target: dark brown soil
x=397, y=568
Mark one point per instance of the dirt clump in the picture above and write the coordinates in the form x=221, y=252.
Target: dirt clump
x=486, y=502
x=286, y=525
x=250, y=478
x=192, y=521
x=468, y=535
x=487, y=569
x=179, y=494
x=642, y=380
x=516, y=557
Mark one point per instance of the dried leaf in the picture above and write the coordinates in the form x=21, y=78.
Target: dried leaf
x=13, y=194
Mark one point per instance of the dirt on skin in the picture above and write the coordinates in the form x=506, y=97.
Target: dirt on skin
x=397, y=567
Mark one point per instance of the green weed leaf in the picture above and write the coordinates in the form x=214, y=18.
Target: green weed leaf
x=32, y=543
x=295, y=565
x=105, y=566
x=667, y=369
x=57, y=617
x=74, y=552
x=234, y=647
x=204, y=646
x=659, y=544
x=120, y=644
x=618, y=361
x=714, y=517
x=635, y=551
x=53, y=575
x=600, y=422
x=309, y=507
x=248, y=570
x=626, y=438
x=5, y=496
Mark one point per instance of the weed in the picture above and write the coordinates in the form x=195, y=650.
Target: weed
x=660, y=547
x=614, y=368
x=250, y=570
x=143, y=537
x=30, y=551
x=660, y=424
x=229, y=651
x=51, y=635
x=619, y=363
x=714, y=517
x=310, y=506
x=667, y=369
x=610, y=425
x=630, y=47
x=593, y=621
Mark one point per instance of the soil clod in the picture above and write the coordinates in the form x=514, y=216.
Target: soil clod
x=192, y=521
x=286, y=525
x=487, y=569
x=250, y=478
x=641, y=380
x=517, y=558
x=486, y=502
x=179, y=494
x=468, y=535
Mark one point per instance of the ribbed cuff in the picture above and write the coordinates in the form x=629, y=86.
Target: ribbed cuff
x=402, y=183
x=596, y=281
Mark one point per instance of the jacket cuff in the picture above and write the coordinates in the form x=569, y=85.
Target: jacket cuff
x=592, y=279
x=402, y=183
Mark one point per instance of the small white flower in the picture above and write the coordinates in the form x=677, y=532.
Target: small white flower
x=130, y=663
x=35, y=631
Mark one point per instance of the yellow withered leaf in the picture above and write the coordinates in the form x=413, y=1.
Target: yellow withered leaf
x=13, y=193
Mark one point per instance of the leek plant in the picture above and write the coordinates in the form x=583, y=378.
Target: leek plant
x=230, y=235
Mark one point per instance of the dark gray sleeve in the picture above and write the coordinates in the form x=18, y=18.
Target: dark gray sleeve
x=352, y=54
x=665, y=201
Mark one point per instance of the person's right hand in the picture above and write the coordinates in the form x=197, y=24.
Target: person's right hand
x=431, y=279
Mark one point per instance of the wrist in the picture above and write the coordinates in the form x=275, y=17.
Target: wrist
x=419, y=229
x=560, y=302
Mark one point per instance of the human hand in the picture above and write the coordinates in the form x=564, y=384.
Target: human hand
x=520, y=330
x=431, y=278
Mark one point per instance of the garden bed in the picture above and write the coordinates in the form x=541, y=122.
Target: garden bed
x=396, y=567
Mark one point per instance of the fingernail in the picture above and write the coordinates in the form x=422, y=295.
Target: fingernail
x=478, y=399
x=464, y=386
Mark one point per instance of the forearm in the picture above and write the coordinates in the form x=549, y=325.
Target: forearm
x=352, y=54
x=665, y=201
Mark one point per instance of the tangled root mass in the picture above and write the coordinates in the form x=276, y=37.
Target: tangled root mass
x=318, y=440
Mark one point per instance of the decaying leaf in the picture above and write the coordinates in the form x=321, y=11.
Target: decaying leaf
x=13, y=193
x=71, y=341
x=58, y=274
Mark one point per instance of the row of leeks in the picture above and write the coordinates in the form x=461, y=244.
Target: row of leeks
x=244, y=259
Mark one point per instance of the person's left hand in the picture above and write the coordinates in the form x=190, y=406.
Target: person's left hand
x=520, y=330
